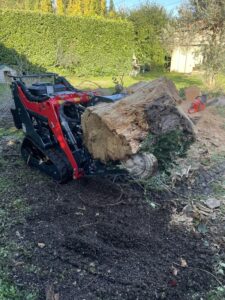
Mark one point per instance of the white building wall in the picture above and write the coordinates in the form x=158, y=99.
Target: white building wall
x=184, y=59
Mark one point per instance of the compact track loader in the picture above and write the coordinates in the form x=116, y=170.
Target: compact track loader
x=49, y=109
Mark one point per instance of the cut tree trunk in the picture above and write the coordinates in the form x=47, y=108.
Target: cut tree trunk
x=115, y=131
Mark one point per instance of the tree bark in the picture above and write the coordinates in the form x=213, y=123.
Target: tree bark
x=115, y=131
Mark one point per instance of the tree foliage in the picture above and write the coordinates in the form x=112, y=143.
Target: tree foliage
x=112, y=11
x=149, y=20
x=45, y=6
x=103, y=7
x=204, y=23
x=60, y=8
x=8, y=4
x=87, y=7
x=63, y=7
x=74, y=7
x=28, y=4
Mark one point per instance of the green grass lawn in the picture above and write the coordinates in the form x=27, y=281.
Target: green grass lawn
x=181, y=80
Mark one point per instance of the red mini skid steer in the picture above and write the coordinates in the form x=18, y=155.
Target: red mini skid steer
x=49, y=111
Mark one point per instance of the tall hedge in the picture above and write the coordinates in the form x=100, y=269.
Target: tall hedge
x=87, y=45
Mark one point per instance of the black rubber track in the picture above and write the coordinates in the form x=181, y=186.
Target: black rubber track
x=50, y=161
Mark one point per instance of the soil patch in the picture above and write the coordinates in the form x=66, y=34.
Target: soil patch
x=95, y=239
x=99, y=245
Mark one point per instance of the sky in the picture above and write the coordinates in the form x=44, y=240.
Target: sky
x=168, y=4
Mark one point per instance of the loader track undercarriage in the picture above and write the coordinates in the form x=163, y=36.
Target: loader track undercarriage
x=51, y=161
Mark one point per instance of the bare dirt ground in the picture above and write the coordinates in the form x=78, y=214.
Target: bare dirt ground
x=99, y=239
x=210, y=127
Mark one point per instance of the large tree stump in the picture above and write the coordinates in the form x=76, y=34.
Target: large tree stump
x=115, y=131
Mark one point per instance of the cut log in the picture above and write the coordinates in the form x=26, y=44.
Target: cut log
x=115, y=131
x=166, y=85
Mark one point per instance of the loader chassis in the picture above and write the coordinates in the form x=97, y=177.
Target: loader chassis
x=52, y=126
x=50, y=115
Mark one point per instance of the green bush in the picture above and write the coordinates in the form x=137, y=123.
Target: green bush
x=149, y=20
x=167, y=146
x=91, y=45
